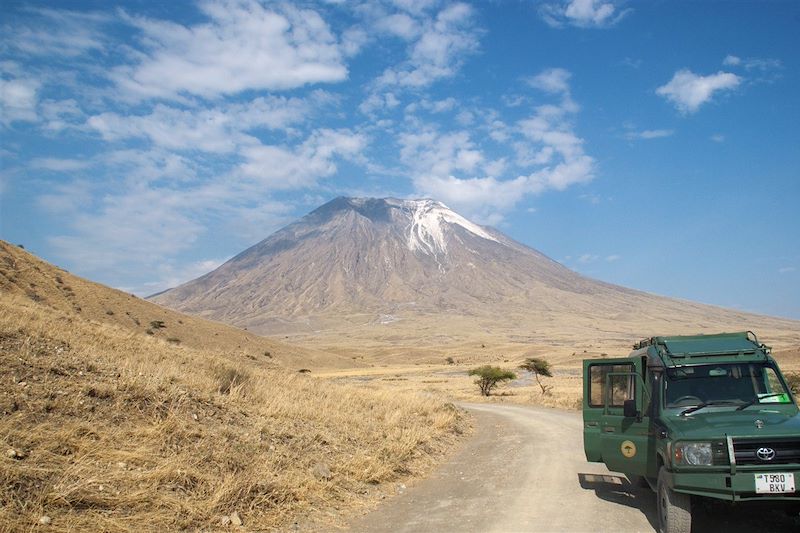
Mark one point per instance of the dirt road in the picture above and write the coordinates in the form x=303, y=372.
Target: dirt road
x=524, y=470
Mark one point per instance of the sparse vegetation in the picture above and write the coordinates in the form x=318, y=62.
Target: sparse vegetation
x=538, y=367
x=230, y=378
x=489, y=377
x=157, y=324
x=112, y=430
x=450, y=361
x=173, y=340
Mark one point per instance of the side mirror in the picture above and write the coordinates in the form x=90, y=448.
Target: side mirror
x=629, y=409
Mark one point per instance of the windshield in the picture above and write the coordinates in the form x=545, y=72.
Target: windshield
x=734, y=384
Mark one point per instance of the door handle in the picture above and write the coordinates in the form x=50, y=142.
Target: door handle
x=608, y=429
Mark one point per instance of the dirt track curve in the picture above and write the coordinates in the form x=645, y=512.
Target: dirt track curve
x=524, y=470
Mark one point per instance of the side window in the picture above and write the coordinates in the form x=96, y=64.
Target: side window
x=621, y=386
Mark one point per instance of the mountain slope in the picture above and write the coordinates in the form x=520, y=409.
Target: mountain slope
x=106, y=428
x=24, y=275
x=396, y=265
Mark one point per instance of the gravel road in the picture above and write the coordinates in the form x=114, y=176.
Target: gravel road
x=524, y=470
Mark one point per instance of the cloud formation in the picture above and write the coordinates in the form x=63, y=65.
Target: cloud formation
x=547, y=155
x=581, y=13
x=438, y=50
x=243, y=46
x=688, y=91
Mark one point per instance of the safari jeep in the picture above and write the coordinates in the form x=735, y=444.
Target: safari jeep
x=704, y=416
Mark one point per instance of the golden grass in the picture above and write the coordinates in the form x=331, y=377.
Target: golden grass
x=116, y=430
x=28, y=277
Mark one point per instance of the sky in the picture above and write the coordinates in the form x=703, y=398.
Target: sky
x=655, y=145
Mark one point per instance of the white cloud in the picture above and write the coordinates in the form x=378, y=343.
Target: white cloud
x=688, y=91
x=752, y=63
x=549, y=156
x=581, y=13
x=731, y=61
x=171, y=275
x=552, y=80
x=786, y=269
x=243, y=46
x=282, y=168
x=648, y=134
x=57, y=32
x=439, y=50
x=18, y=100
x=717, y=138
x=217, y=129
x=60, y=114
x=400, y=25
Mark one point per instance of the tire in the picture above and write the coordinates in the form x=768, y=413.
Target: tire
x=674, y=508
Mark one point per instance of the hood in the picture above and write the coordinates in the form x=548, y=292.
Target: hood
x=716, y=422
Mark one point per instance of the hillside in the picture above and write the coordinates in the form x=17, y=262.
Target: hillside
x=107, y=428
x=24, y=275
x=406, y=278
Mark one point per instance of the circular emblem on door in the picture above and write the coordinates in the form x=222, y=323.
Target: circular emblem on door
x=765, y=454
x=628, y=448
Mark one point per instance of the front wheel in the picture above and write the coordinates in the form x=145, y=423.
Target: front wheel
x=674, y=508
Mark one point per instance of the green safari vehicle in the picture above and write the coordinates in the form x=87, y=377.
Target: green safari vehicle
x=705, y=416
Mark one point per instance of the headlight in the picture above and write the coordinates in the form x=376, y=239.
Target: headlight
x=693, y=453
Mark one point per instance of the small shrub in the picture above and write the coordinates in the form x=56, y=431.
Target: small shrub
x=489, y=377
x=149, y=331
x=304, y=371
x=228, y=378
x=173, y=340
x=450, y=361
x=110, y=312
x=268, y=354
x=157, y=324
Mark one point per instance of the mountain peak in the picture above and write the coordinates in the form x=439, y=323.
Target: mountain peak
x=425, y=222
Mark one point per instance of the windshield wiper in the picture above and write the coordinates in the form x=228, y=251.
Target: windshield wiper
x=758, y=399
x=697, y=407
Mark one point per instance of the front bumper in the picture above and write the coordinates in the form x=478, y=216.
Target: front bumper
x=734, y=487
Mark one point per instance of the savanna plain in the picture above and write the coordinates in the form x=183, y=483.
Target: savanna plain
x=120, y=415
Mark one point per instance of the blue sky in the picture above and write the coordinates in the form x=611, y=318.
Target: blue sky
x=649, y=144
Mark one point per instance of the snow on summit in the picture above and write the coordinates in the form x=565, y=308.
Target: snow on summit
x=428, y=221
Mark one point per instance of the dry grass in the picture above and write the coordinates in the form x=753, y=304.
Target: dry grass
x=30, y=278
x=115, y=430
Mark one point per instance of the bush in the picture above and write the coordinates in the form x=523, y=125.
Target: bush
x=157, y=324
x=450, y=361
x=489, y=377
x=173, y=340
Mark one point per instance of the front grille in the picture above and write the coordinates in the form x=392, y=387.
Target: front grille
x=787, y=451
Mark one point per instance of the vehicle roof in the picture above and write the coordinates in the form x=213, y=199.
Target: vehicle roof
x=703, y=349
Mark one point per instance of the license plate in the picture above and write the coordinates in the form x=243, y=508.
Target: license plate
x=777, y=483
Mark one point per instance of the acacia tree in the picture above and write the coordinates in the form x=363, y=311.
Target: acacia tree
x=538, y=367
x=489, y=377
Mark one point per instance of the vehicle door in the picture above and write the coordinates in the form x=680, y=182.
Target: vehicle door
x=621, y=442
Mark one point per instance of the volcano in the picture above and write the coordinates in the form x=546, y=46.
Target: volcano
x=368, y=262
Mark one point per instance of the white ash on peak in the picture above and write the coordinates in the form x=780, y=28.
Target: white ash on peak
x=429, y=221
